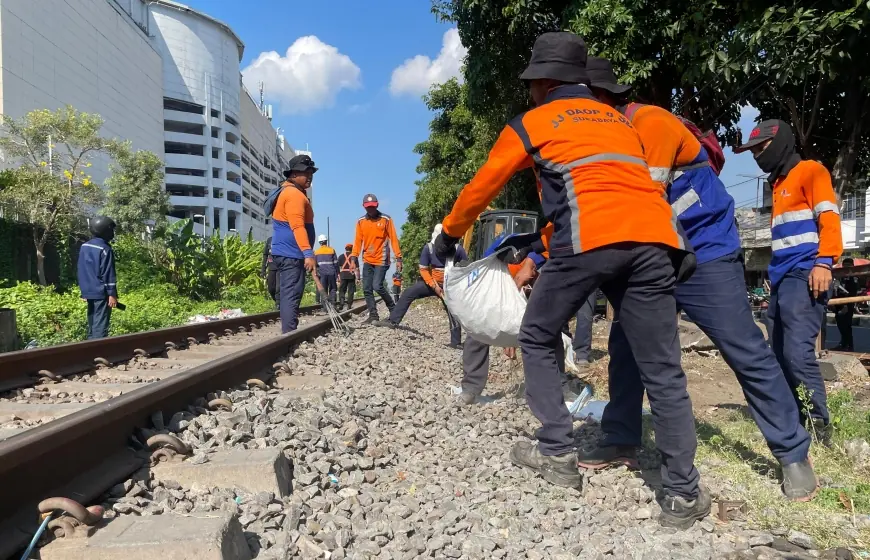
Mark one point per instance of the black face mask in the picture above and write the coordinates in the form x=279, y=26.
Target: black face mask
x=780, y=156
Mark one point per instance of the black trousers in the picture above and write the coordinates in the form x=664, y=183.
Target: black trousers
x=844, y=325
x=422, y=290
x=638, y=280
x=373, y=281
x=327, y=279
x=99, y=314
x=346, y=291
x=272, y=283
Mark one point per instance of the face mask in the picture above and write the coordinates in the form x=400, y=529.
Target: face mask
x=780, y=156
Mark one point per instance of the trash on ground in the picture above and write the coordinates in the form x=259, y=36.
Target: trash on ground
x=220, y=316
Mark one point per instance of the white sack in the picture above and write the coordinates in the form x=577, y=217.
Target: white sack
x=485, y=300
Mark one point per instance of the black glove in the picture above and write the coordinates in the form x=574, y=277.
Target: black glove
x=444, y=246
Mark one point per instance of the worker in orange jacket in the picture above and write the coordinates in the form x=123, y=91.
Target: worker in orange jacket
x=612, y=228
x=375, y=235
x=714, y=298
x=806, y=242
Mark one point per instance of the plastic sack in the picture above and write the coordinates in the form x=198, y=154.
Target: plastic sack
x=485, y=300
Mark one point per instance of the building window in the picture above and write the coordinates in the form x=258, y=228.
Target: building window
x=215, y=153
x=184, y=149
x=183, y=106
x=215, y=113
x=183, y=127
x=853, y=206
x=215, y=173
x=231, y=120
x=182, y=171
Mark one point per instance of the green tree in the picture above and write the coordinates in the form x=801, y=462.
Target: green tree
x=800, y=62
x=51, y=188
x=136, y=197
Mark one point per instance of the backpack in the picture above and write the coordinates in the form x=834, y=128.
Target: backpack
x=707, y=139
x=272, y=200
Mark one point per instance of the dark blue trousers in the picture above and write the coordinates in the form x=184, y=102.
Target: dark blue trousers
x=714, y=298
x=373, y=281
x=291, y=282
x=582, y=342
x=99, y=314
x=797, y=319
x=639, y=281
x=330, y=285
x=420, y=290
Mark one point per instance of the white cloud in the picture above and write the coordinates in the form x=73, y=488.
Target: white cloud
x=416, y=75
x=307, y=77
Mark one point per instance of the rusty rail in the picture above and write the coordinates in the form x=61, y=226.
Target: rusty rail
x=84, y=454
x=23, y=367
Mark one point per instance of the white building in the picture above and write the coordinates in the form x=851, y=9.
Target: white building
x=162, y=75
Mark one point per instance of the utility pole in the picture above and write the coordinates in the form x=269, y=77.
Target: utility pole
x=328, y=239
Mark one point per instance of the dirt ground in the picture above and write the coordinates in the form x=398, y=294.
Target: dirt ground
x=712, y=384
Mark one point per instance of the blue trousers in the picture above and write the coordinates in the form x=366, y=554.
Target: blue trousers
x=291, y=282
x=639, y=281
x=99, y=314
x=714, y=298
x=373, y=281
x=330, y=286
x=797, y=319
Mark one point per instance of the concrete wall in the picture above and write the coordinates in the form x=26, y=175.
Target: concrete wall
x=90, y=54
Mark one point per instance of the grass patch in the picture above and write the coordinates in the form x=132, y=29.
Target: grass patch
x=732, y=452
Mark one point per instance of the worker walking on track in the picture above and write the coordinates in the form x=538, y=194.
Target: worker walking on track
x=806, y=242
x=375, y=234
x=714, y=298
x=430, y=284
x=592, y=178
x=348, y=267
x=292, y=235
x=327, y=268
x=96, y=276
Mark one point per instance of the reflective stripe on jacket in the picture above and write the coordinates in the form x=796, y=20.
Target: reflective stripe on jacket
x=374, y=237
x=679, y=163
x=326, y=259
x=593, y=179
x=805, y=224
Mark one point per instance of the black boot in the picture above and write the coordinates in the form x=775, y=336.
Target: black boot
x=601, y=457
x=799, y=482
x=680, y=513
x=560, y=470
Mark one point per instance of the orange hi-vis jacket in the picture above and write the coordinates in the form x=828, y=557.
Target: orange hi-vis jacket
x=374, y=236
x=805, y=226
x=593, y=179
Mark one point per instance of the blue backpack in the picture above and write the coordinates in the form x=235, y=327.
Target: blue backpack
x=271, y=201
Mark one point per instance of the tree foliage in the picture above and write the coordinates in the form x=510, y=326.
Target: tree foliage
x=51, y=188
x=458, y=144
x=136, y=197
x=703, y=59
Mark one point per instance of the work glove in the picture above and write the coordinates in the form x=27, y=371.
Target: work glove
x=444, y=246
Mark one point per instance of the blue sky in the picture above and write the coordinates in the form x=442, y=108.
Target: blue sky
x=337, y=91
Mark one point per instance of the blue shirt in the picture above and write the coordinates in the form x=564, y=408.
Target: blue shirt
x=96, y=270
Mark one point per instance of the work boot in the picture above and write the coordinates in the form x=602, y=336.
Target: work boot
x=466, y=398
x=560, y=470
x=372, y=319
x=680, y=513
x=823, y=431
x=602, y=457
x=799, y=482
x=386, y=323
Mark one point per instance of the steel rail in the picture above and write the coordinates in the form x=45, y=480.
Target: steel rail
x=21, y=368
x=84, y=454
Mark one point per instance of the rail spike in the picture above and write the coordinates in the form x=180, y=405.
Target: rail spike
x=220, y=403
x=257, y=383
x=79, y=520
x=166, y=447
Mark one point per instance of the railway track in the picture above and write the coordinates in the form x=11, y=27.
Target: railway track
x=67, y=413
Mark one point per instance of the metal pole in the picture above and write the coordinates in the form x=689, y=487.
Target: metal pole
x=50, y=152
x=328, y=239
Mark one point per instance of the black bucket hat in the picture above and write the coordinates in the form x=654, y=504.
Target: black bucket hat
x=558, y=55
x=302, y=162
x=602, y=76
